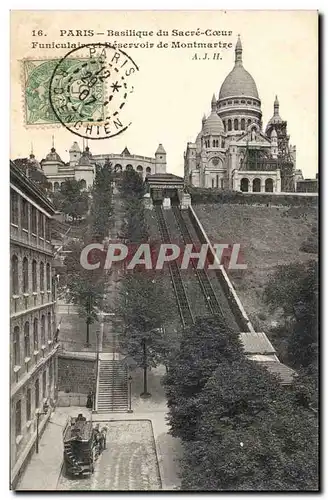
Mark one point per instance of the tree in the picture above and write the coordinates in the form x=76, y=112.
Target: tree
x=131, y=184
x=144, y=308
x=71, y=199
x=251, y=435
x=294, y=287
x=203, y=346
x=85, y=288
x=102, y=207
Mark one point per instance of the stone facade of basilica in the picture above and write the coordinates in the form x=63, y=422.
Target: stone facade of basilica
x=232, y=151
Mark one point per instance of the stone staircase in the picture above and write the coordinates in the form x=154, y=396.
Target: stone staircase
x=112, y=386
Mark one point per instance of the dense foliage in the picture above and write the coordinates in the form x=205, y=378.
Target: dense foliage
x=102, y=204
x=71, y=199
x=241, y=429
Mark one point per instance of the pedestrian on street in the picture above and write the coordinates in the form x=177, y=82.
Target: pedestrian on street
x=90, y=400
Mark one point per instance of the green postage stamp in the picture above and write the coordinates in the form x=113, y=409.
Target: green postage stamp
x=37, y=77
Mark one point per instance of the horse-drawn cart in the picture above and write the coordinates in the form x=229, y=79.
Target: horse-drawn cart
x=83, y=444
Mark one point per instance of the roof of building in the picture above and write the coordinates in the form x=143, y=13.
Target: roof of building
x=28, y=186
x=256, y=343
x=75, y=147
x=276, y=118
x=126, y=152
x=53, y=156
x=239, y=82
x=85, y=159
x=160, y=150
x=164, y=177
x=283, y=372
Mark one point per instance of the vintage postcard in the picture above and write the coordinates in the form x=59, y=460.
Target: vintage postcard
x=164, y=251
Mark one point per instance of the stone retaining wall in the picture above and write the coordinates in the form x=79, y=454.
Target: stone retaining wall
x=76, y=373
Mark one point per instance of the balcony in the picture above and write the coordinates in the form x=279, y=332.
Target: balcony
x=28, y=239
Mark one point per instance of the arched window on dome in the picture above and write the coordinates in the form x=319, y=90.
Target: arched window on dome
x=249, y=121
x=235, y=124
x=83, y=184
x=118, y=168
x=129, y=167
x=56, y=186
x=229, y=125
x=140, y=169
x=243, y=124
x=225, y=126
x=148, y=170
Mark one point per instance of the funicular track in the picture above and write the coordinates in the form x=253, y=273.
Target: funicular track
x=210, y=297
x=185, y=311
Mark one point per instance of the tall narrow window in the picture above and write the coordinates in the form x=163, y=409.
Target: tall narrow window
x=49, y=326
x=235, y=124
x=25, y=275
x=24, y=206
x=48, y=230
x=18, y=418
x=28, y=404
x=48, y=276
x=242, y=124
x=217, y=181
x=16, y=346
x=13, y=207
x=41, y=276
x=229, y=125
x=44, y=384
x=27, y=340
x=14, y=275
x=33, y=220
x=41, y=225
x=43, y=329
x=36, y=334
x=37, y=393
x=34, y=276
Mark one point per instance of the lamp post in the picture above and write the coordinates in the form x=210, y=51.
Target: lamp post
x=145, y=394
x=38, y=414
x=130, y=394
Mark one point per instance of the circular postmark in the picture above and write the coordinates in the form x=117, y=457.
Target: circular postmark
x=89, y=90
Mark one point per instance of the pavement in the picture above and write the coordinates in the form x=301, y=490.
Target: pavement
x=44, y=469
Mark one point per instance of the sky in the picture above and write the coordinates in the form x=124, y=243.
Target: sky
x=172, y=90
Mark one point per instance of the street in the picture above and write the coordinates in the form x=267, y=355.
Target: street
x=128, y=463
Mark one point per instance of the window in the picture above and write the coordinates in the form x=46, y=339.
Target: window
x=229, y=125
x=37, y=393
x=48, y=276
x=243, y=101
x=28, y=404
x=249, y=121
x=14, y=275
x=41, y=276
x=83, y=184
x=56, y=186
x=212, y=183
x=13, y=207
x=225, y=126
x=41, y=225
x=222, y=184
x=148, y=170
x=18, y=418
x=217, y=181
x=44, y=384
x=118, y=168
x=16, y=340
x=249, y=102
x=48, y=230
x=34, y=277
x=129, y=167
x=33, y=220
x=27, y=340
x=36, y=334
x=235, y=124
x=243, y=124
x=43, y=330
x=24, y=214
x=25, y=275
x=49, y=326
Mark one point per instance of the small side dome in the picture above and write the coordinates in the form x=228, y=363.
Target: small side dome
x=213, y=125
x=53, y=156
x=75, y=148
